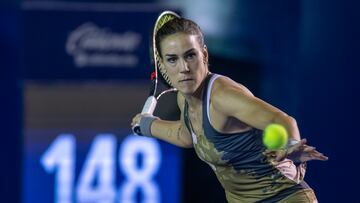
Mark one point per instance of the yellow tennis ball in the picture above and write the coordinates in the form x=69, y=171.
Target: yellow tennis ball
x=275, y=136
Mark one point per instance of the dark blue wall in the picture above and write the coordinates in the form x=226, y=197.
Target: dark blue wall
x=10, y=103
x=329, y=95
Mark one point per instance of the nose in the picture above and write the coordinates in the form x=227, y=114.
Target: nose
x=184, y=67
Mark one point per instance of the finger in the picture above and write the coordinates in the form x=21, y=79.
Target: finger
x=273, y=161
x=315, y=155
x=281, y=155
x=320, y=158
x=270, y=155
x=315, y=152
x=268, y=151
x=301, y=142
x=133, y=120
x=298, y=146
x=136, y=119
x=309, y=149
x=279, y=158
x=324, y=158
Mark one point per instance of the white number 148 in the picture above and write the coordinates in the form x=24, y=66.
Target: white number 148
x=99, y=167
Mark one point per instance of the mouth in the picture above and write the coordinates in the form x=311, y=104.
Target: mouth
x=185, y=80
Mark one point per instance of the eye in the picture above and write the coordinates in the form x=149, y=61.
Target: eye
x=190, y=56
x=171, y=59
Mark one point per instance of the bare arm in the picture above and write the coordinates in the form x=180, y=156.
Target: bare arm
x=232, y=99
x=173, y=132
x=240, y=103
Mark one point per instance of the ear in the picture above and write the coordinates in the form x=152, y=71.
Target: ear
x=205, y=54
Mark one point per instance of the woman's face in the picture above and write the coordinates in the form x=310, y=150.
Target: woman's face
x=185, y=61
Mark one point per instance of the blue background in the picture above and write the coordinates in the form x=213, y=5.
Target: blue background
x=301, y=56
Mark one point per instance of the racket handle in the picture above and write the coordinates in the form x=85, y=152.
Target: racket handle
x=148, y=108
x=149, y=105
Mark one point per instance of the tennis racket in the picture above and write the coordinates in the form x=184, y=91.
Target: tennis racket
x=155, y=91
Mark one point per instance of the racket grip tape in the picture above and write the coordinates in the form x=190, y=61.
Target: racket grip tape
x=148, y=108
x=149, y=105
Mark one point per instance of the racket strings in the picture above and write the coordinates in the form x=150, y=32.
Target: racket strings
x=160, y=22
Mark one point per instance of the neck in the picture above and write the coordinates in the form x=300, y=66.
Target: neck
x=195, y=98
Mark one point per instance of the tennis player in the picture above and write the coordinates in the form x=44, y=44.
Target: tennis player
x=224, y=121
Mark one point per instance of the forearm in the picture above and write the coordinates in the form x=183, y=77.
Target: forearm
x=171, y=131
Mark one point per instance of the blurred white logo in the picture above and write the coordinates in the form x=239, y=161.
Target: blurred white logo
x=93, y=46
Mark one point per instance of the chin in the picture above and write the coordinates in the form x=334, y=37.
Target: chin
x=188, y=90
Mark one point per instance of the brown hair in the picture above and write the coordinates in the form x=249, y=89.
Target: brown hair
x=177, y=25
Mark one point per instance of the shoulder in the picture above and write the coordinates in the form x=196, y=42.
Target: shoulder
x=225, y=86
x=227, y=93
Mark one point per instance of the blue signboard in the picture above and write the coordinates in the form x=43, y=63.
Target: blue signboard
x=68, y=166
x=87, y=40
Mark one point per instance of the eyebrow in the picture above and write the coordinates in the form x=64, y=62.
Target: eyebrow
x=186, y=52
